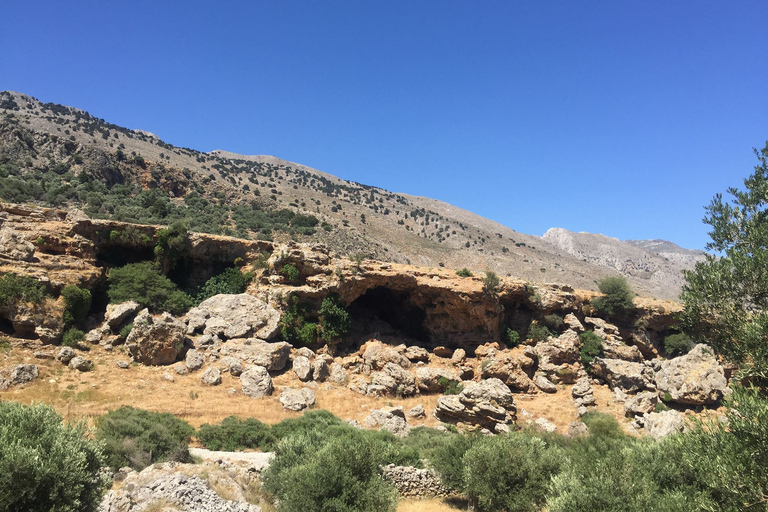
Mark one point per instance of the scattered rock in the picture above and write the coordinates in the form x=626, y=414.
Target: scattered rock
x=662, y=424
x=376, y=355
x=508, y=368
x=640, y=404
x=65, y=355
x=211, y=376
x=695, y=378
x=238, y=315
x=155, y=341
x=485, y=403
x=118, y=314
x=320, y=369
x=629, y=376
x=123, y=364
x=577, y=428
x=81, y=364
x=233, y=365
x=338, y=374
x=256, y=382
x=23, y=374
x=168, y=377
x=458, y=356
x=391, y=419
x=297, y=400
x=415, y=354
x=272, y=356
x=93, y=337
x=194, y=360
x=417, y=411
x=181, y=368
x=442, y=352
x=545, y=384
x=545, y=425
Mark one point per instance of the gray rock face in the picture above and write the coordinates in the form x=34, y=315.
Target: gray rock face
x=695, y=378
x=641, y=403
x=338, y=374
x=429, y=378
x=65, y=355
x=211, y=376
x=320, y=369
x=391, y=419
x=582, y=388
x=235, y=316
x=194, y=360
x=155, y=341
x=81, y=364
x=376, y=355
x=485, y=403
x=14, y=246
x=302, y=368
x=256, y=382
x=629, y=376
x=23, y=374
x=117, y=314
x=297, y=400
x=662, y=424
x=573, y=323
x=272, y=356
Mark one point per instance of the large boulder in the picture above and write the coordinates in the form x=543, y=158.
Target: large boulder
x=561, y=350
x=234, y=316
x=302, y=368
x=507, y=368
x=297, y=400
x=376, y=355
x=211, y=376
x=155, y=340
x=628, y=376
x=641, y=403
x=487, y=403
x=391, y=419
x=662, y=424
x=434, y=380
x=272, y=356
x=117, y=314
x=256, y=382
x=81, y=364
x=695, y=378
x=24, y=374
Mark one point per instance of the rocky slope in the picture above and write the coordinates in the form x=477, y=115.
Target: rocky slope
x=54, y=155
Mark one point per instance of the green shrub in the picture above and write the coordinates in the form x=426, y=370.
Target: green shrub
x=138, y=438
x=450, y=386
x=334, y=319
x=329, y=475
x=677, y=344
x=46, y=465
x=15, y=289
x=491, y=283
x=447, y=460
x=294, y=325
x=172, y=245
x=465, y=272
x=512, y=337
x=291, y=272
x=591, y=347
x=235, y=434
x=230, y=281
x=554, y=322
x=617, y=296
x=125, y=331
x=509, y=472
x=141, y=282
x=77, y=303
x=538, y=332
x=72, y=337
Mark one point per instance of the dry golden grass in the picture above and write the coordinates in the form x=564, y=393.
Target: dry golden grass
x=426, y=505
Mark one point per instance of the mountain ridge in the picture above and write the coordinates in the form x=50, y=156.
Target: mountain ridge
x=69, y=150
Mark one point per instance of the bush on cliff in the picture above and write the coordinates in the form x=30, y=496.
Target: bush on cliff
x=141, y=282
x=45, y=464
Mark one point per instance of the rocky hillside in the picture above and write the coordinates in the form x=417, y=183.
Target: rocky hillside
x=63, y=157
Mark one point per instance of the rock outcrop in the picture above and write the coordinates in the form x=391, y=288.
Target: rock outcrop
x=695, y=378
x=234, y=316
x=155, y=340
x=272, y=356
x=487, y=403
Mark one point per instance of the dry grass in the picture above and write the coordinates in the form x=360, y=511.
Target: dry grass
x=426, y=505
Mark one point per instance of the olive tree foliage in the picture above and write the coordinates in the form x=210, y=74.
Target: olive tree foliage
x=726, y=295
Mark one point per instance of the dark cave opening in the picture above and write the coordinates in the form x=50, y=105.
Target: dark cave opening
x=389, y=312
x=6, y=327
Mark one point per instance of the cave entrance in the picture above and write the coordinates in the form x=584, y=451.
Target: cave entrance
x=6, y=327
x=389, y=312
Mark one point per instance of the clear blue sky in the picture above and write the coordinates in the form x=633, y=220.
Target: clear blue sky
x=617, y=117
